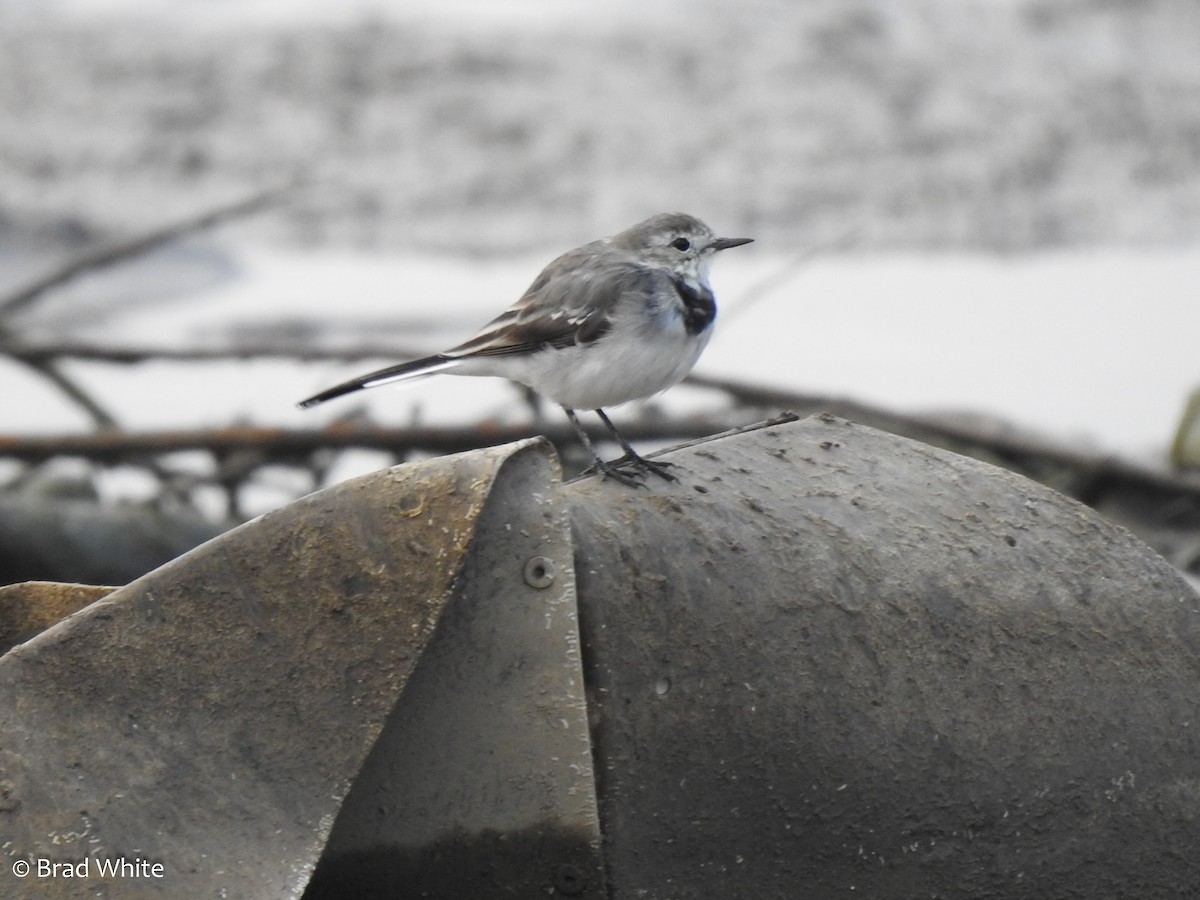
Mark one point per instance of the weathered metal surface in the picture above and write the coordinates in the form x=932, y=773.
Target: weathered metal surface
x=830, y=662
x=481, y=784
x=28, y=608
x=210, y=717
x=826, y=662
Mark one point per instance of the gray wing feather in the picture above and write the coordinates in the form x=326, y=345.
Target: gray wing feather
x=572, y=301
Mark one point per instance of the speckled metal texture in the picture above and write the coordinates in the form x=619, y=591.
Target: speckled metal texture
x=830, y=662
x=826, y=662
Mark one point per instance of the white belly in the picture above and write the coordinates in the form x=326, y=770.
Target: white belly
x=622, y=365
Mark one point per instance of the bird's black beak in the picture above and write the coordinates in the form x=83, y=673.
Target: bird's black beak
x=726, y=243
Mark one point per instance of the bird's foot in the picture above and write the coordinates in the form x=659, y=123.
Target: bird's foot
x=630, y=468
x=654, y=466
x=611, y=470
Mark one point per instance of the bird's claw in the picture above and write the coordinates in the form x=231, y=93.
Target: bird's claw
x=661, y=469
x=631, y=469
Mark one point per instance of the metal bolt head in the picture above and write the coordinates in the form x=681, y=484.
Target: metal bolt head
x=540, y=572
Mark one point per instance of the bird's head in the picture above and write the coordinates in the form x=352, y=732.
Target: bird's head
x=680, y=243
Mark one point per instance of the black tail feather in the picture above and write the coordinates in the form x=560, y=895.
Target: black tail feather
x=414, y=369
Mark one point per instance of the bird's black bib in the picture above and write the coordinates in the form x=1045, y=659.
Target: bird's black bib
x=699, y=306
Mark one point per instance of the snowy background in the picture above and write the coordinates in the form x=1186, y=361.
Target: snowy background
x=989, y=206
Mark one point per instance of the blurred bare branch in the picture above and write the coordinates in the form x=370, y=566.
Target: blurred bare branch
x=33, y=353
x=274, y=443
x=49, y=370
x=46, y=364
x=114, y=253
x=1163, y=508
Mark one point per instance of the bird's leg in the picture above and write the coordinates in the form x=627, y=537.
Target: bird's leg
x=631, y=456
x=606, y=470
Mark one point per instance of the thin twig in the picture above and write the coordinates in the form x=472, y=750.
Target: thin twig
x=782, y=418
x=49, y=370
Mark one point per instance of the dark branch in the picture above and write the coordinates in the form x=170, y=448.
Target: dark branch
x=115, y=446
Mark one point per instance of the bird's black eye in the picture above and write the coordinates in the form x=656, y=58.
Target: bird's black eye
x=681, y=244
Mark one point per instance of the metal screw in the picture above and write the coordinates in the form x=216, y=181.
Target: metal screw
x=540, y=572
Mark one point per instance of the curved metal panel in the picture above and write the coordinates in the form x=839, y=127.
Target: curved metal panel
x=827, y=661
x=31, y=607
x=481, y=784
x=209, y=718
x=833, y=662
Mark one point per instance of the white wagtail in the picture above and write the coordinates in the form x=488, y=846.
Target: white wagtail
x=615, y=320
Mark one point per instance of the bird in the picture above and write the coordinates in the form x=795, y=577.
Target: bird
x=615, y=320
